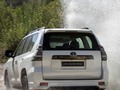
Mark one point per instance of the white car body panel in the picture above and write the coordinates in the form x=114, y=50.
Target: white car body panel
x=55, y=75
x=53, y=69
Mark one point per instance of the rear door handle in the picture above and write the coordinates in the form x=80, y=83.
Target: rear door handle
x=15, y=62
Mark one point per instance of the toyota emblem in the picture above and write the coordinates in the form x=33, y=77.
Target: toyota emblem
x=73, y=53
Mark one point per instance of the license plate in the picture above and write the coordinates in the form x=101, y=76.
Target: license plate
x=76, y=64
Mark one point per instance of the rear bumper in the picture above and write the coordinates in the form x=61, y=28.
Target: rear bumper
x=35, y=77
x=34, y=82
x=67, y=83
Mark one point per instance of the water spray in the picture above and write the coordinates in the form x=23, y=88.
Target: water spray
x=103, y=17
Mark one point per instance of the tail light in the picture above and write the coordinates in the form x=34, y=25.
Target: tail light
x=103, y=53
x=44, y=84
x=38, y=56
x=101, y=83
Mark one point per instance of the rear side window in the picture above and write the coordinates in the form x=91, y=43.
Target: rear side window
x=32, y=40
x=26, y=46
x=69, y=41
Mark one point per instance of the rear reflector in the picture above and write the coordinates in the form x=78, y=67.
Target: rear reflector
x=44, y=84
x=101, y=83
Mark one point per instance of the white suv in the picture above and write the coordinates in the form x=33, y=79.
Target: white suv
x=47, y=58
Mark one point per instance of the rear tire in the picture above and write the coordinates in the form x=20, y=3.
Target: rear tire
x=91, y=88
x=7, y=82
x=24, y=81
x=99, y=89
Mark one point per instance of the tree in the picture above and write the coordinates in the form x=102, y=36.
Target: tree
x=16, y=23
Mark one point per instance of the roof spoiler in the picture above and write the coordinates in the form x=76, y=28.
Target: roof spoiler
x=85, y=28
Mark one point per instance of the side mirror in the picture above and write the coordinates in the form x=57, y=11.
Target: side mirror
x=9, y=53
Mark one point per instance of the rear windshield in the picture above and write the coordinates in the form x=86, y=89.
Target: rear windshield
x=69, y=41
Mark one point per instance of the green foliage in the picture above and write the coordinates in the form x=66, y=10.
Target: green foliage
x=17, y=22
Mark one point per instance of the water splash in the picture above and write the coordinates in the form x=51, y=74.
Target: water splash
x=103, y=17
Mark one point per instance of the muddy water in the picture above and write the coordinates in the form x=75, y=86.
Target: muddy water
x=2, y=86
x=1, y=78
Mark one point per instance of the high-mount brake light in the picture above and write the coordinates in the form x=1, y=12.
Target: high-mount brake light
x=103, y=53
x=38, y=56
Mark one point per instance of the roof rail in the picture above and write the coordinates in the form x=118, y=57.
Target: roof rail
x=37, y=30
